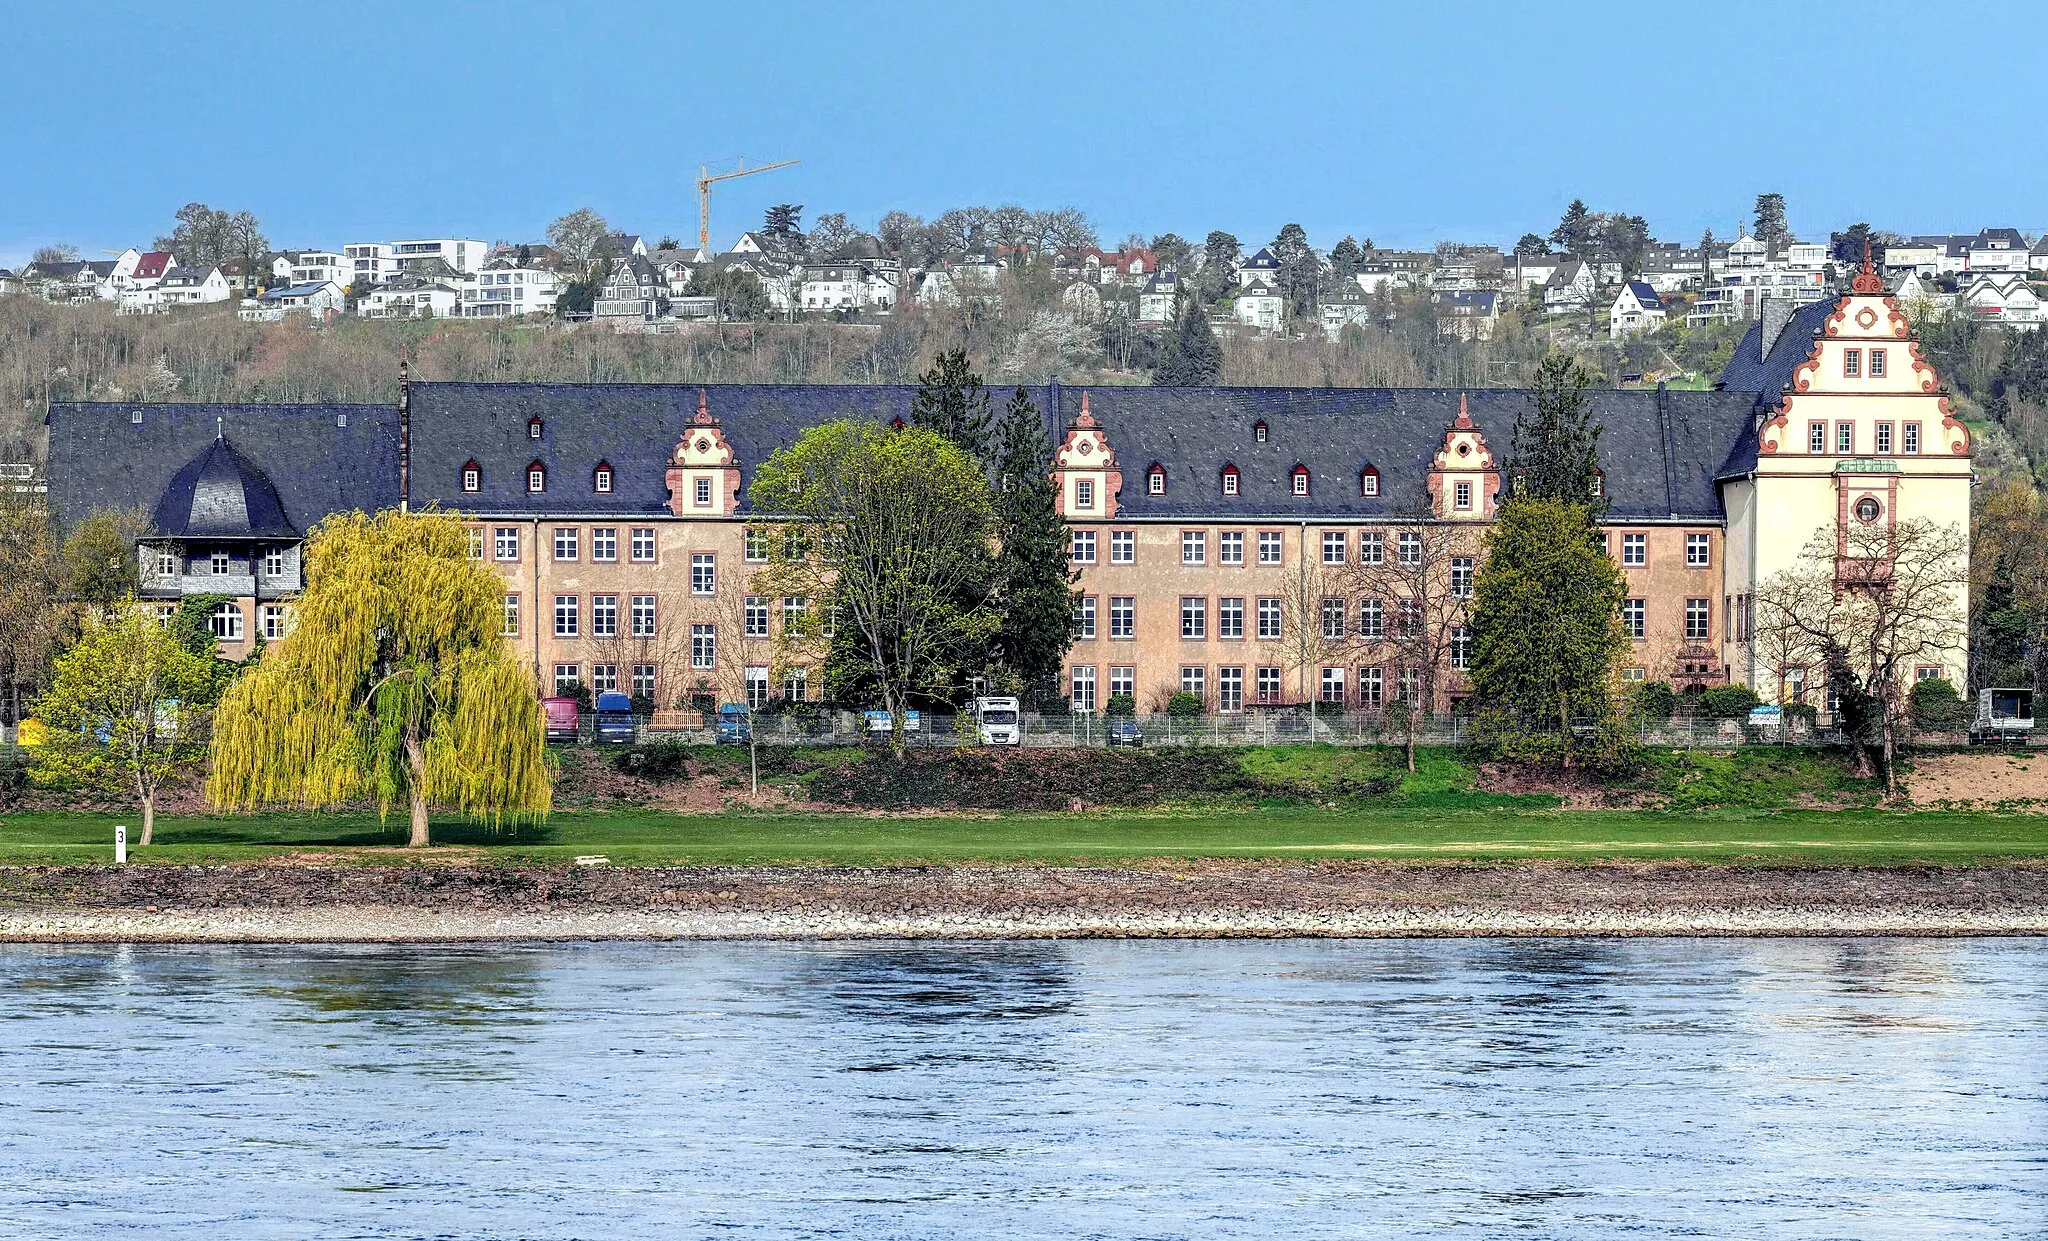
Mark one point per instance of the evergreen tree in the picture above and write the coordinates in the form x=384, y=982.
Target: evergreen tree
x=1574, y=233
x=1300, y=270
x=951, y=401
x=1192, y=358
x=1345, y=257
x=1531, y=246
x=1034, y=581
x=1770, y=220
x=1556, y=453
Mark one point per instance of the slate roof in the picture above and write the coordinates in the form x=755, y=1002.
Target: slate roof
x=1646, y=295
x=220, y=494
x=2000, y=239
x=186, y=277
x=1767, y=376
x=101, y=459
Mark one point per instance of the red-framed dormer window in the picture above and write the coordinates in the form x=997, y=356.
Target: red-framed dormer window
x=1259, y=431
x=1230, y=480
x=1155, y=479
x=1299, y=475
x=601, y=479
x=472, y=476
x=895, y=424
x=533, y=428
x=1369, y=481
x=536, y=478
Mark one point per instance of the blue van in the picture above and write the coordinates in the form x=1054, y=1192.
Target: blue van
x=614, y=719
x=735, y=724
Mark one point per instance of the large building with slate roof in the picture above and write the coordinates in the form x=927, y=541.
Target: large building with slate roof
x=1202, y=518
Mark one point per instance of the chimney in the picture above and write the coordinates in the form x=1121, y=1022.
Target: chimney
x=1774, y=314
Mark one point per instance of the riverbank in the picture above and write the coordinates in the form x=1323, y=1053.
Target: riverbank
x=1165, y=899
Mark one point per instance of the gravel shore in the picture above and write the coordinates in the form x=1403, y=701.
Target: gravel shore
x=418, y=903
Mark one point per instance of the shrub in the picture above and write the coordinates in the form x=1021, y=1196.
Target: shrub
x=657, y=760
x=1937, y=707
x=1655, y=700
x=1120, y=707
x=576, y=690
x=1184, y=706
x=1728, y=702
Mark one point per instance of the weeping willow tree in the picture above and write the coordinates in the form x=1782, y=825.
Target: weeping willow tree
x=393, y=683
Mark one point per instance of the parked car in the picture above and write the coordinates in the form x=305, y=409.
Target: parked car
x=614, y=719
x=1122, y=731
x=562, y=720
x=735, y=724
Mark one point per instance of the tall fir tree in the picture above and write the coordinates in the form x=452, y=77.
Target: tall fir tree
x=1556, y=453
x=1770, y=220
x=951, y=401
x=1034, y=579
x=1191, y=358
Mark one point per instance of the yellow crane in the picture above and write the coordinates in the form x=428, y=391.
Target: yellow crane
x=705, y=178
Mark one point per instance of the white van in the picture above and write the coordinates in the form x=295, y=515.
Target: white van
x=999, y=721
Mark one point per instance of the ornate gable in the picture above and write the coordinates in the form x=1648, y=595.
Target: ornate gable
x=703, y=473
x=1085, y=470
x=1464, y=482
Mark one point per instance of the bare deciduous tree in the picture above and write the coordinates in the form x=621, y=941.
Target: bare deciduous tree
x=1411, y=591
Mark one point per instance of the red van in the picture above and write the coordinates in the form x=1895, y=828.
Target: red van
x=562, y=718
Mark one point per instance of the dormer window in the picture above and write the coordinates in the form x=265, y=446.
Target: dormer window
x=536, y=478
x=472, y=477
x=533, y=428
x=895, y=424
x=601, y=482
x=1155, y=480
x=1230, y=480
x=1599, y=483
x=1300, y=477
x=1259, y=431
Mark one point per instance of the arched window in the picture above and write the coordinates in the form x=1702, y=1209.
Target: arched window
x=226, y=622
x=1259, y=431
x=601, y=481
x=1369, y=481
x=533, y=428
x=536, y=477
x=1230, y=480
x=1155, y=479
x=472, y=476
x=1300, y=477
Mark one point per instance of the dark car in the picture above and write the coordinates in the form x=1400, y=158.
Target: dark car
x=614, y=719
x=1125, y=732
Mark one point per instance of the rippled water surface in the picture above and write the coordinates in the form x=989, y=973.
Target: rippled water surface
x=1277, y=1089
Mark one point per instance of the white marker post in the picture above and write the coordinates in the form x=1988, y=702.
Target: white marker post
x=120, y=843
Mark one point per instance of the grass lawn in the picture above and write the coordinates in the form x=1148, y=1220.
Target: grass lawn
x=1510, y=828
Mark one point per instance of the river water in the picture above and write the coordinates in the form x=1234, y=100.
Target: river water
x=1267, y=1089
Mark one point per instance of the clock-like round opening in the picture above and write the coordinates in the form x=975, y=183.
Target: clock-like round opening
x=1867, y=509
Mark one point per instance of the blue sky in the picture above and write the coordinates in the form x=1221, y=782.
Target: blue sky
x=1403, y=122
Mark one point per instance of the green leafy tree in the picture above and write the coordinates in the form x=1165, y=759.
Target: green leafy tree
x=740, y=295
x=1546, y=637
x=1531, y=246
x=99, y=557
x=893, y=528
x=1556, y=446
x=1770, y=220
x=1034, y=581
x=1192, y=356
x=576, y=235
x=32, y=622
x=1936, y=706
x=126, y=709
x=394, y=682
x=951, y=402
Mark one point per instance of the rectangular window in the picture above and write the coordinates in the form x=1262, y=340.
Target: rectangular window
x=1194, y=618
x=1123, y=680
x=1194, y=679
x=604, y=678
x=1194, y=547
x=1461, y=577
x=755, y=677
x=1269, y=618
x=1371, y=688
x=1084, y=494
x=1461, y=647
x=604, y=544
x=1909, y=439
x=1698, y=616
x=703, y=492
x=1269, y=547
x=1268, y=685
x=703, y=646
x=1084, y=687
x=756, y=547
x=1634, y=618
x=218, y=564
x=1852, y=363
x=794, y=607
x=511, y=626
x=1230, y=689
x=273, y=560
x=566, y=618
x=1084, y=617
x=643, y=681
x=1411, y=686
x=1230, y=482
x=1845, y=437
x=1123, y=546
x=643, y=544
x=1410, y=547
x=1372, y=619
x=1332, y=616
x=1230, y=547
x=1407, y=617
x=1081, y=546
x=756, y=617
x=1463, y=497
x=604, y=616
x=1635, y=550
x=643, y=616
x=1123, y=616
x=1372, y=547
x=1816, y=437
x=1698, y=551
x=567, y=677
x=1884, y=438
x=796, y=685
x=1333, y=686
x=1877, y=364
x=1230, y=617
x=703, y=573
x=565, y=543
x=1335, y=543
x=1795, y=686
x=275, y=621
x=167, y=560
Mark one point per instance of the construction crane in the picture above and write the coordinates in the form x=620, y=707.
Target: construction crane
x=704, y=179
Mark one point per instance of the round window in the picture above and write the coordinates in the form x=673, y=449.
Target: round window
x=1867, y=509
x=1464, y=450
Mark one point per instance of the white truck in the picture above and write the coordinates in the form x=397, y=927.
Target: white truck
x=999, y=721
x=2004, y=717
